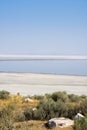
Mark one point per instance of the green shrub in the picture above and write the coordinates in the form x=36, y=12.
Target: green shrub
x=39, y=114
x=60, y=96
x=61, y=108
x=19, y=116
x=83, y=107
x=7, y=117
x=4, y=94
x=73, y=110
x=38, y=97
x=80, y=124
x=28, y=113
x=52, y=109
x=74, y=98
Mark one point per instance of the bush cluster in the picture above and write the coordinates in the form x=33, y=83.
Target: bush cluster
x=4, y=94
x=58, y=104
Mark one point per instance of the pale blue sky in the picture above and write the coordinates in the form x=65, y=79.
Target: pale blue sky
x=43, y=27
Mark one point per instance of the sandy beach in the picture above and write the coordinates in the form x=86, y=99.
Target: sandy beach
x=33, y=84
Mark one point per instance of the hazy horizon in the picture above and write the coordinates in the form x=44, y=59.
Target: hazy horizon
x=27, y=57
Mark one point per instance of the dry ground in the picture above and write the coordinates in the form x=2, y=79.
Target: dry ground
x=36, y=125
x=35, y=84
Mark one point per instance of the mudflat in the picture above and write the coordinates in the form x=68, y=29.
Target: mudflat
x=37, y=84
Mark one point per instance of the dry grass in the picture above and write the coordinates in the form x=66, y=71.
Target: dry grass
x=36, y=125
x=18, y=101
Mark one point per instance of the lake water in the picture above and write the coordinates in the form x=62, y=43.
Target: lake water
x=71, y=67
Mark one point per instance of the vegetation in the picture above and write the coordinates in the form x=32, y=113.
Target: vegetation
x=80, y=124
x=6, y=120
x=16, y=114
x=4, y=94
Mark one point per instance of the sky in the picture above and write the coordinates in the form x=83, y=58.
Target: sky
x=44, y=27
x=51, y=27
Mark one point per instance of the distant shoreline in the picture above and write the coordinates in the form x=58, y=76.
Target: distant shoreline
x=42, y=73
x=39, y=84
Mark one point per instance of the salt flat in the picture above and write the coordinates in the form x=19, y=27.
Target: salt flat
x=32, y=84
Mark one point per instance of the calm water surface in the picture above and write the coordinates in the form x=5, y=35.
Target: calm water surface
x=73, y=67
